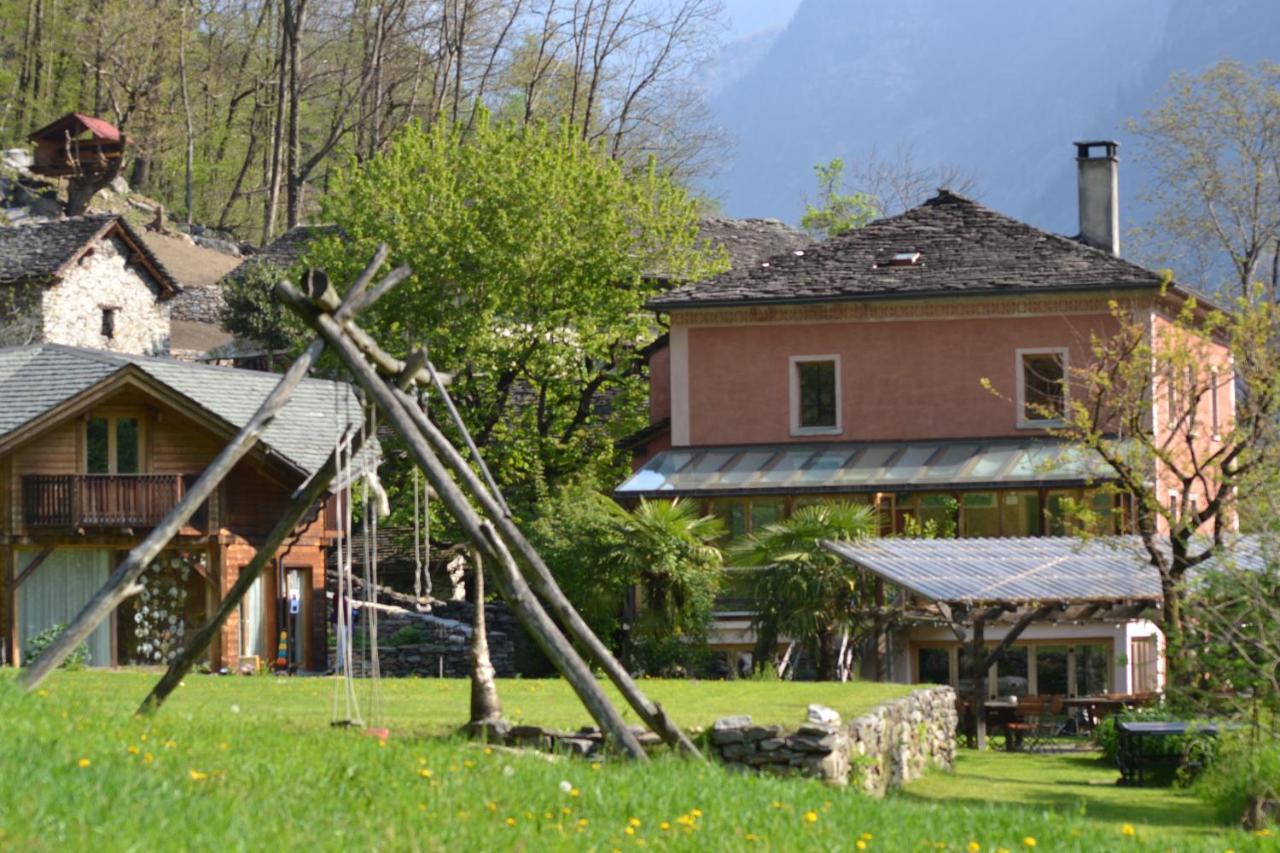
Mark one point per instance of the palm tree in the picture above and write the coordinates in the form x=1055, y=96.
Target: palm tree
x=668, y=552
x=802, y=590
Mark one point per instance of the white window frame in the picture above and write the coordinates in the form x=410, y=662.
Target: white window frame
x=1020, y=376
x=793, y=369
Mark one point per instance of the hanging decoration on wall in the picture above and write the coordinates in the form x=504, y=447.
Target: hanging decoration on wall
x=159, y=624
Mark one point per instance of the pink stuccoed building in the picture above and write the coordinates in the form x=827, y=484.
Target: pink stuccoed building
x=852, y=369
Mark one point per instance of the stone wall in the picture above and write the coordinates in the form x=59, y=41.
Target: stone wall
x=446, y=644
x=199, y=303
x=104, y=278
x=883, y=749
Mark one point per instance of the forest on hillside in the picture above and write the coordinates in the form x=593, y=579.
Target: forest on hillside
x=238, y=111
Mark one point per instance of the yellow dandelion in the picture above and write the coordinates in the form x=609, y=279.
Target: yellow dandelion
x=511, y=821
x=750, y=836
x=582, y=822
x=422, y=807
x=696, y=812
x=488, y=751
x=170, y=744
x=468, y=764
x=224, y=745
x=425, y=773
x=197, y=776
x=635, y=821
x=595, y=765
x=1263, y=833
x=42, y=693
x=148, y=758
x=1029, y=841
x=811, y=817
x=491, y=806
x=84, y=762
x=630, y=830
x=1128, y=829
x=573, y=792
x=860, y=844
x=133, y=750
x=866, y=836
x=974, y=847
x=566, y=810
x=664, y=826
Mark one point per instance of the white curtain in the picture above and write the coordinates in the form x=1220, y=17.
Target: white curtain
x=56, y=591
x=251, y=621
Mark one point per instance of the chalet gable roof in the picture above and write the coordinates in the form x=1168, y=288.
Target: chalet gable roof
x=949, y=245
x=36, y=381
x=41, y=253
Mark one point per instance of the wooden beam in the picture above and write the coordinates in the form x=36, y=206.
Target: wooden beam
x=479, y=532
x=198, y=642
x=32, y=566
x=1014, y=633
x=977, y=657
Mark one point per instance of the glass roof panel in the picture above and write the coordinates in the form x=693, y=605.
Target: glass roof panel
x=824, y=467
x=991, y=462
x=785, y=467
x=864, y=465
x=948, y=467
x=702, y=469
x=746, y=468
x=655, y=474
x=908, y=466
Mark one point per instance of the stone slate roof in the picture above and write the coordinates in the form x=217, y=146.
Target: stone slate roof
x=39, y=252
x=750, y=241
x=35, y=379
x=964, y=248
x=285, y=250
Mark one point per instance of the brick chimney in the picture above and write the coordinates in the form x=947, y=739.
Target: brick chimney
x=1099, y=194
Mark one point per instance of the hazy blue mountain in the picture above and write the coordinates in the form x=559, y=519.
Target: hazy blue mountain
x=998, y=87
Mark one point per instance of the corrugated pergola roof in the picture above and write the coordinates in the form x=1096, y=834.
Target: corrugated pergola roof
x=1044, y=570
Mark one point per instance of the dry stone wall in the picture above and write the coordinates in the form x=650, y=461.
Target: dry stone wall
x=442, y=643
x=881, y=750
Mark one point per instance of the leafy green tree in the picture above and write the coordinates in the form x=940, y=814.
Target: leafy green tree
x=647, y=578
x=251, y=311
x=801, y=590
x=533, y=254
x=838, y=211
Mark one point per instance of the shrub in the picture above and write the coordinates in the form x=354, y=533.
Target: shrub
x=409, y=635
x=1243, y=784
x=78, y=659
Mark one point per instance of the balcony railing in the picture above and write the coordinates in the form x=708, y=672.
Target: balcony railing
x=104, y=500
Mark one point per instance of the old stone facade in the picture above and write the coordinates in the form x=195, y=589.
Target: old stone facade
x=105, y=279
x=881, y=750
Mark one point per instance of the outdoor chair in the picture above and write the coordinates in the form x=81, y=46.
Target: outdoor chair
x=1024, y=730
x=1052, y=723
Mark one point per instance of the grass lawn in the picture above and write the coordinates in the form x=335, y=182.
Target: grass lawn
x=252, y=763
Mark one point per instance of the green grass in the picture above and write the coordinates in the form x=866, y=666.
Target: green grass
x=251, y=763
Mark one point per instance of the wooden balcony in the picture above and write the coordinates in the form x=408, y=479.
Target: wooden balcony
x=104, y=500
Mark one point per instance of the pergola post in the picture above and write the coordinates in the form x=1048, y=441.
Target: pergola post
x=978, y=660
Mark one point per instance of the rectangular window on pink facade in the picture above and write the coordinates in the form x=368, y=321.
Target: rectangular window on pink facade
x=1043, y=378
x=817, y=381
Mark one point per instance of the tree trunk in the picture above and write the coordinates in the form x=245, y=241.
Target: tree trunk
x=485, y=706
x=827, y=656
x=295, y=20
x=277, y=133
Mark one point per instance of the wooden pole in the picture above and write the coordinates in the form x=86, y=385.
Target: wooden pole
x=485, y=705
x=302, y=501
x=480, y=533
x=538, y=574
x=544, y=585
x=978, y=659
x=123, y=582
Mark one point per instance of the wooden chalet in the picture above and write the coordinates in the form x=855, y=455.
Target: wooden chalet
x=97, y=447
x=77, y=144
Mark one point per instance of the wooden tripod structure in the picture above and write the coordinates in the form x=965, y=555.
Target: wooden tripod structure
x=523, y=579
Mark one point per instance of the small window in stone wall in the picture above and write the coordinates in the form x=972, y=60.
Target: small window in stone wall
x=109, y=323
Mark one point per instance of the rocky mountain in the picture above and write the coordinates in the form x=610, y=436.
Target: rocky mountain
x=999, y=88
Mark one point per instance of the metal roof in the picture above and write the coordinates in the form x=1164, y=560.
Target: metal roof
x=36, y=379
x=1044, y=570
x=835, y=467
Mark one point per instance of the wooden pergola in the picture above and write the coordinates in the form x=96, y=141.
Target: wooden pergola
x=968, y=585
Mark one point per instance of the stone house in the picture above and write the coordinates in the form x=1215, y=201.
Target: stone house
x=89, y=281
x=853, y=369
